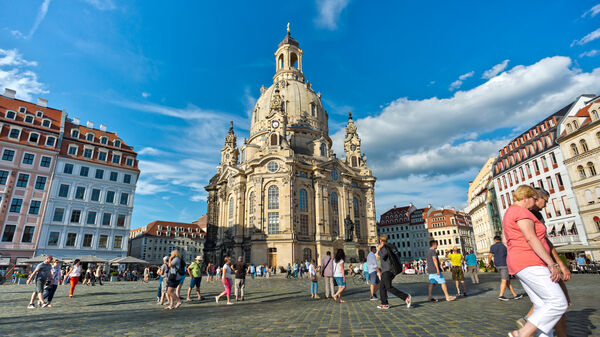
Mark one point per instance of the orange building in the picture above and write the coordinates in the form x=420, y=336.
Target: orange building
x=451, y=228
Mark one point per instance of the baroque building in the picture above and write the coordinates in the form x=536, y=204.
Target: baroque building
x=284, y=196
x=406, y=229
x=451, y=229
x=579, y=139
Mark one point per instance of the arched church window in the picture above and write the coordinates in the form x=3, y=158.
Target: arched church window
x=356, y=208
x=274, y=139
x=307, y=253
x=333, y=213
x=280, y=61
x=584, y=146
x=251, y=203
x=354, y=161
x=273, y=197
x=313, y=109
x=334, y=174
x=294, y=60
x=231, y=208
x=591, y=168
x=574, y=149
x=581, y=172
x=303, y=200
x=356, y=217
x=323, y=150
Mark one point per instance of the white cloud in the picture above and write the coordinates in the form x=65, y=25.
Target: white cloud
x=149, y=151
x=590, y=53
x=495, y=70
x=15, y=75
x=146, y=94
x=592, y=12
x=329, y=12
x=458, y=83
x=248, y=101
x=38, y=19
x=102, y=5
x=588, y=38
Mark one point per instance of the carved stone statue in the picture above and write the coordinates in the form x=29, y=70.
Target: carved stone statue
x=349, y=228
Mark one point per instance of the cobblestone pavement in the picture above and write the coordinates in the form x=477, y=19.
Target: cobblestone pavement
x=277, y=306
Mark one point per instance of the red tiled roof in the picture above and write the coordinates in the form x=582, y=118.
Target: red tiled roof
x=152, y=229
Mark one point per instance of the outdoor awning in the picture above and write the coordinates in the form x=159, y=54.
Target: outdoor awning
x=128, y=260
x=4, y=261
x=37, y=259
x=92, y=259
x=21, y=261
x=549, y=229
x=576, y=248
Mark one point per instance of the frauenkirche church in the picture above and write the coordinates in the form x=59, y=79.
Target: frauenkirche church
x=284, y=196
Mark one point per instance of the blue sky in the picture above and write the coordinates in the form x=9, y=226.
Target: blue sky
x=435, y=87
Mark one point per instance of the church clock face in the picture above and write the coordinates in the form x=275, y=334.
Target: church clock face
x=275, y=124
x=352, y=147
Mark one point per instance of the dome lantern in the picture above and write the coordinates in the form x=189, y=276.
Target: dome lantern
x=288, y=59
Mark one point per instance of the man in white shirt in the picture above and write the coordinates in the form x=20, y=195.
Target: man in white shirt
x=374, y=272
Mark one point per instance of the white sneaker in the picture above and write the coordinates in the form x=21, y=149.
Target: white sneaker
x=31, y=306
x=45, y=304
x=217, y=299
x=408, y=301
x=230, y=303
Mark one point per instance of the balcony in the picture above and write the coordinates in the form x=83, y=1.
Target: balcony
x=562, y=240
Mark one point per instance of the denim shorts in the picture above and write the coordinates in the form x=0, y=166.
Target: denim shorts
x=373, y=278
x=182, y=279
x=435, y=278
x=195, y=282
x=340, y=281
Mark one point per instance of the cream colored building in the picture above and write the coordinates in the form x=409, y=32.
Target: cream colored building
x=284, y=196
x=579, y=139
x=482, y=209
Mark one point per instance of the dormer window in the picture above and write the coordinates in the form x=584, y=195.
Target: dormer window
x=102, y=156
x=89, y=137
x=575, y=125
x=11, y=114
x=116, y=159
x=50, y=141
x=34, y=137
x=129, y=162
x=103, y=140
x=87, y=153
x=22, y=109
x=29, y=119
x=46, y=123
x=15, y=133
x=75, y=133
x=39, y=114
x=72, y=150
x=117, y=143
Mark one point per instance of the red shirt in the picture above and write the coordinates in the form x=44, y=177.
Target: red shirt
x=520, y=253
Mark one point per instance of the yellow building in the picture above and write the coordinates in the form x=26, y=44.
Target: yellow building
x=580, y=143
x=289, y=198
x=482, y=208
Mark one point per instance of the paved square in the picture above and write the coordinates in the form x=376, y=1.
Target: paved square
x=277, y=306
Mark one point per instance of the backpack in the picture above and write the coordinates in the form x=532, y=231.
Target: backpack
x=394, y=259
x=181, y=268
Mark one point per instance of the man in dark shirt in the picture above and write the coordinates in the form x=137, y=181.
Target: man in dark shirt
x=498, y=252
x=387, y=276
x=40, y=275
x=435, y=272
x=240, y=278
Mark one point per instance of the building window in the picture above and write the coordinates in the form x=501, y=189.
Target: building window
x=304, y=224
x=231, y=208
x=106, y=219
x=28, y=234
x=45, y=162
x=274, y=139
x=356, y=208
x=11, y=114
x=272, y=166
x=334, y=174
x=251, y=203
x=9, y=233
x=574, y=150
x=124, y=198
x=102, y=156
x=95, y=194
x=84, y=171
x=59, y=214
x=323, y=149
x=273, y=222
x=99, y=174
x=103, y=241
x=75, y=216
x=91, y=218
x=71, y=238
x=127, y=178
x=75, y=134
x=15, y=205
x=114, y=176
x=22, y=180
x=117, y=143
x=50, y=141
x=34, y=207
x=87, y=240
x=80, y=192
x=89, y=137
x=87, y=153
x=116, y=159
x=333, y=213
x=129, y=161
x=8, y=155
x=28, y=158
x=110, y=197
x=34, y=138
x=303, y=200
x=584, y=146
x=581, y=172
x=68, y=169
x=63, y=191
x=121, y=220
x=3, y=177
x=273, y=197
x=117, y=241
x=53, y=238
x=72, y=150
x=14, y=133
x=46, y=123
x=591, y=168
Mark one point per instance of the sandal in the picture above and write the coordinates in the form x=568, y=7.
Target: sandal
x=434, y=300
x=168, y=308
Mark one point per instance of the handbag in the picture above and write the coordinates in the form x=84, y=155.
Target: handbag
x=313, y=277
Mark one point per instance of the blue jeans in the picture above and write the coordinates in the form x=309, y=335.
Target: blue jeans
x=159, y=293
x=314, y=287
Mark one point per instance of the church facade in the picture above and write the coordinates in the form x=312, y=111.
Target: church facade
x=284, y=196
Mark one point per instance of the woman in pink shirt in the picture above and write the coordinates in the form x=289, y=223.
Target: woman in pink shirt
x=530, y=261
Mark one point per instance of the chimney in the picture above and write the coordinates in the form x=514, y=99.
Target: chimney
x=90, y=124
x=76, y=121
x=102, y=127
x=42, y=102
x=10, y=93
